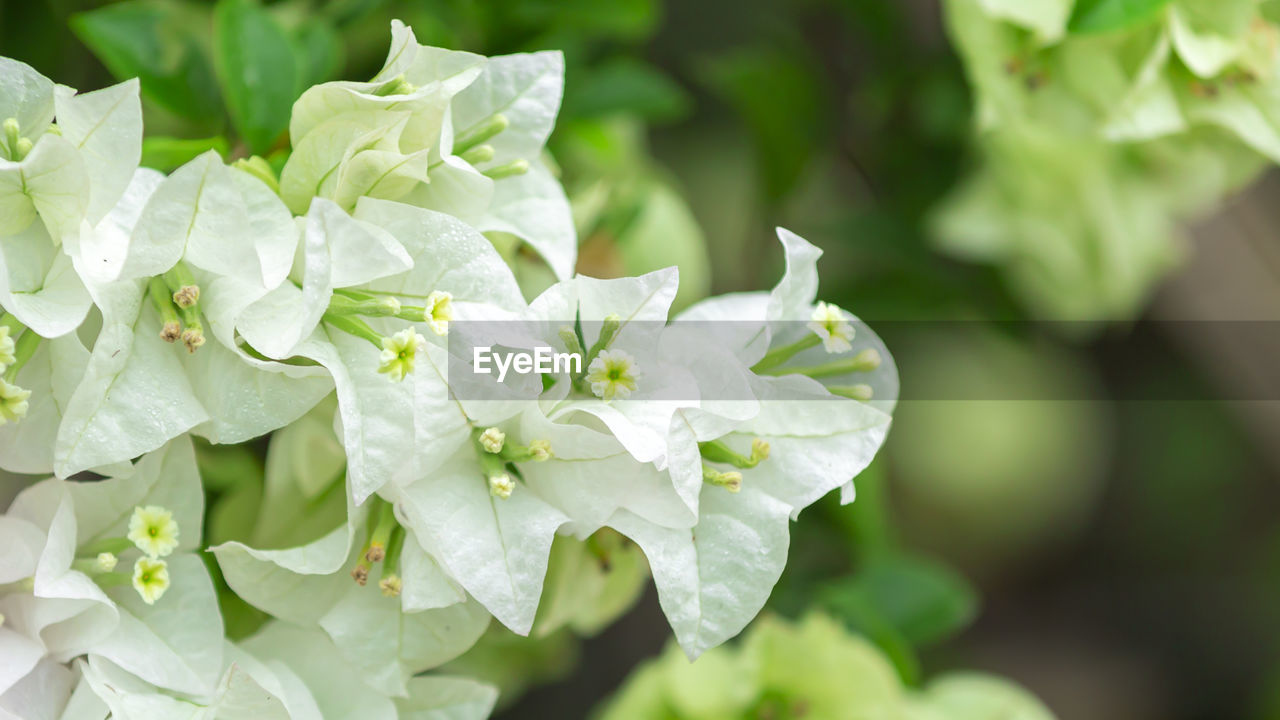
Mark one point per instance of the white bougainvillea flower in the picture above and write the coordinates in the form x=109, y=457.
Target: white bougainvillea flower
x=153, y=530
x=799, y=442
x=830, y=324
x=280, y=673
x=488, y=169
x=351, y=266
x=235, y=240
x=388, y=639
x=68, y=173
x=76, y=586
x=324, y=578
x=51, y=375
x=613, y=374
x=57, y=184
x=439, y=311
x=150, y=579
x=398, y=353
x=373, y=139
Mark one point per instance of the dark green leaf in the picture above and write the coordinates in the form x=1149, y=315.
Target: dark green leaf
x=627, y=86
x=779, y=97
x=923, y=600
x=319, y=53
x=226, y=467
x=168, y=153
x=859, y=611
x=159, y=43
x=258, y=69
x=1091, y=16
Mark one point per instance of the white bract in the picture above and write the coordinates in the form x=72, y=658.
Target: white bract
x=75, y=585
x=57, y=183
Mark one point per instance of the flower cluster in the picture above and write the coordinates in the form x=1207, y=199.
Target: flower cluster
x=1102, y=127
x=227, y=302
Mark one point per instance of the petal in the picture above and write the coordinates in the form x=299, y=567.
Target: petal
x=497, y=549
x=713, y=579
x=106, y=126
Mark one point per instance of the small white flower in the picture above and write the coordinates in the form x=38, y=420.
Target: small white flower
x=150, y=579
x=492, y=440
x=106, y=562
x=6, y=348
x=439, y=311
x=612, y=375
x=153, y=530
x=501, y=486
x=13, y=402
x=398, y=353
x=830, y=324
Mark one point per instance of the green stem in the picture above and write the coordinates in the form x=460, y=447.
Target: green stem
x=857, y=363
x=477, y=134
x=860, y=392
x=354, y=326
x=391, y=564
x=777, y=356
x=717, y=451
x=10, y=321
x=386, y=524
x=114, y=545
x=162, y=298
x=112, y=579
x=371, y=307
x=24, y=348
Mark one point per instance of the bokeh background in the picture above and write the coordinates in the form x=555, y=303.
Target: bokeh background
x=1097, y=517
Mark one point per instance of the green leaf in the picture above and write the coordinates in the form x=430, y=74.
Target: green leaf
x=627, y=86
x=779, y=98
x=258, y=71
x=159, y=43
x=225, y=467
x=169, y=153
x=925, y=601
x=319, y=53
x=1093, y=16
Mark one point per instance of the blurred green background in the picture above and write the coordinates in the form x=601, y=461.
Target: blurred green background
x=1118, y=554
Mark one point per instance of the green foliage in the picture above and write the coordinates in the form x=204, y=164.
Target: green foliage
x=169, y=153
x=161, y=43
x=258, y=70
x=1111, y=15
x=778, y=96
x=810, y=669
x=627, y=86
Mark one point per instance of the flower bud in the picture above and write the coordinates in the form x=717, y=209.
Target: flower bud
x=501, y=486
x=540, y=450
x=106, y=562
x=492, y=440
x=438, y=312
x=13, y=402
x=193, y=338
x=391, y=586
x=187, y=296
